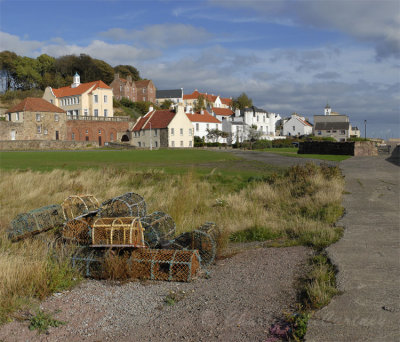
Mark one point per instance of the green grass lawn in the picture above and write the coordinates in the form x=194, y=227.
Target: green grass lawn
x=292, y=152
x=169, y=161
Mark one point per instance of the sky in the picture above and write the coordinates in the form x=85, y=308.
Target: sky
x=288, y=56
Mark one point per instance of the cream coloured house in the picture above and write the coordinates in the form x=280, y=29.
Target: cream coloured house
x=163, y=128
x=93, y=99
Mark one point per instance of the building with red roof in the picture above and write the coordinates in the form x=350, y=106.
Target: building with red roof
x=82, y=99
x=205, y=126
x=163, y=128
x=211, y=100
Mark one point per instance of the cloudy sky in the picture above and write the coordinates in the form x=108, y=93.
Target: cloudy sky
x=286, y=55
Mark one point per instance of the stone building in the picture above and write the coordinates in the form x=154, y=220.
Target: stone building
x=163, y=128
x=146, y=91
x=82, y=99
x=124, y=88
x=34, y=119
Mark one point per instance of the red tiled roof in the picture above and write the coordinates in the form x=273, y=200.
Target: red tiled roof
x=157, y=118
x=83, y=87
x=33, y=104
x=222, y=111
x=305, y=123
x=226, y=101
x=209, y=97
x=206, y=117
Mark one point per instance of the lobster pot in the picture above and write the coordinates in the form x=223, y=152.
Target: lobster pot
x=164, y=264
x=117, y=232
x=88, y=261
x=78, y=230
x=36, y=221
x=159, y=227
x=77, y=206
x=127, y=205
x=199, y=240
x=211, y=229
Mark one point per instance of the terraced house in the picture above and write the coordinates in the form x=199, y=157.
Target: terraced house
x=82, y=99
x=163, y=128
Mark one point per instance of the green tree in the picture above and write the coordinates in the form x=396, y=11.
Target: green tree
x=241, y=102
x=200, y=103
x=125, y=70
x=27, y=75
x=7, y=69
x=253, y=134
x=166, y=104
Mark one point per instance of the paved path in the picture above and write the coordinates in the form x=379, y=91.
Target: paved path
x=367, y=257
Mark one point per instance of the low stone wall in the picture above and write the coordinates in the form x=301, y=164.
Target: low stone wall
x=351, y=148
x=24, y=145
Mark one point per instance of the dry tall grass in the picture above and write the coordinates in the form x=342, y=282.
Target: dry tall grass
x=298, y=209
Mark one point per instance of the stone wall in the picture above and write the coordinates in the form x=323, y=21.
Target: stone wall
x=23, y=145
x=359, y=148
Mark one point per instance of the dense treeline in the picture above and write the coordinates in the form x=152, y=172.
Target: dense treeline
x=25, y=73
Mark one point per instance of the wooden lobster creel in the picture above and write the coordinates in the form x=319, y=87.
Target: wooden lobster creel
x=117, y=232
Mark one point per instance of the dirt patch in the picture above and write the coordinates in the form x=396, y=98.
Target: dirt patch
x=241, y=299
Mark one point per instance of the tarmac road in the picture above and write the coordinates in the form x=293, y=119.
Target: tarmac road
x=367, y=258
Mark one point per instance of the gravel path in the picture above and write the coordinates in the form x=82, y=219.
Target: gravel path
x=242, y=298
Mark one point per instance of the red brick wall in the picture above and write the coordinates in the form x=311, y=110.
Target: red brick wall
x=91, y=130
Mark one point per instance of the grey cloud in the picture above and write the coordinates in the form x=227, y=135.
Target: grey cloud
x=161, y=35
x=328, y=75
x=21, y=47
x=373, y=21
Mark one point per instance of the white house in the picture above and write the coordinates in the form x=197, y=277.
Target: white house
x=296, y=126
x=203, y=121
x=238, y=124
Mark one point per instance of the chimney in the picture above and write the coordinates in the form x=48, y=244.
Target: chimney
x=151, y=108
x=129, y=78
x=116, y=76
x=202, y=111
x=180, y=110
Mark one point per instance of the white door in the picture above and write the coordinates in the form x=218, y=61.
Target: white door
x=13, y=134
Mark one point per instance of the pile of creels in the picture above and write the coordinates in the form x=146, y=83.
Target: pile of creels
x=123, y=224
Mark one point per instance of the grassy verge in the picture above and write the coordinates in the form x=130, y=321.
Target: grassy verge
x=292, y=152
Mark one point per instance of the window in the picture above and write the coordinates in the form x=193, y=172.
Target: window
x=39, y=129
x=208, y=126
x=140, y=144
x=319, y=132
x=45, y=132
x=85, y=112
x=99, y=131
x=51, y=101
x=37, y=117
x=257, y=118
x=56, y=117
x=144, y=91
x=73, y=136
x=172, y=131
x=73, y=100
x=216, y=126
x=173, y=143
x=105, y=98
x=264, y=118
x=190, y=143
x=328, y=131
x=111, y=137
x=77, y=99
x=197, y=127
x=144, y=98
x=155, y=132
x=181, y=143
x=294, y=128
x=144, y=144
x=156, y=144
x=343, y=132
x=96, y=112
x=105, y=112
x=181, y=131
x=87, y=131
x=190, y=132
x=96, y=98
x=334, y=131
x=17, y=116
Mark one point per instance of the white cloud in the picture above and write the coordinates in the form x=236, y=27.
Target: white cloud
x=20, y=47
x=161, y=35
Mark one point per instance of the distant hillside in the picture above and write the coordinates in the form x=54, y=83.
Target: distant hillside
x=25, y=73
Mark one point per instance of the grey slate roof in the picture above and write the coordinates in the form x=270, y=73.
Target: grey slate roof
x=323, y=126
x=169, y=94
x=252, y=109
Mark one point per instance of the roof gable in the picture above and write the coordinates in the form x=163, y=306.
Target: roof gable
x=222, y=111
x=206, y=117
x=155, y=119
x=33, y=104
x=79, y=90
